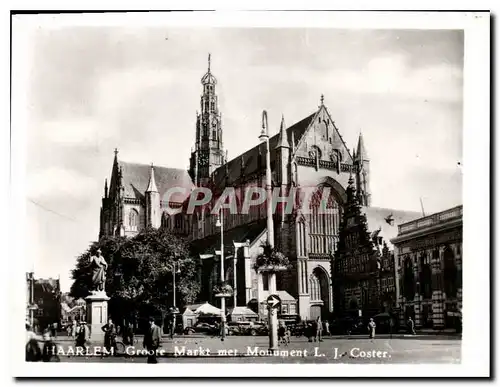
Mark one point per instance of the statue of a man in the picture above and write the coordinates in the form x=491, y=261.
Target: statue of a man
x=99, y=267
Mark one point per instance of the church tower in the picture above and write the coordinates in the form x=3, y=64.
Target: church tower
x=208, y=153
x=363, y=173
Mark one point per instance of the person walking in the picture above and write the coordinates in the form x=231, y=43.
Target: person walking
x=171, y=322
x=110, y=332
x=281, y=333
x=411, y=326
x=128, y=334
x=81, y=334
x=327, y=328
x=371, y=328
x=319, y=330
x=74, y=327
x=53, y=329
x=32, y=348
x=152, y=339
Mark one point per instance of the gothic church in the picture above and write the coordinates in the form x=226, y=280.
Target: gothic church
x=309, y=153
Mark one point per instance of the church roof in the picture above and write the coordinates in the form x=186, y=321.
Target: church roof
x=380, y=218
x=136, y=177
x=248, y=162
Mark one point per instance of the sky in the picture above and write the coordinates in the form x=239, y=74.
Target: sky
x=93, y=89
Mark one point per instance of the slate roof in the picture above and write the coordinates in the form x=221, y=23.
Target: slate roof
x=248, y=162
x=136, y=179
x=375, y=217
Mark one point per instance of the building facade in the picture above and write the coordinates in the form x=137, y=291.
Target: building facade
x=363, y=267
x=42, y=301
x=428, y=256
x=309, y=155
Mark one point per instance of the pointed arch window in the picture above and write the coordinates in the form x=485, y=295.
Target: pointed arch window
x=133, y=219
x=314, y=288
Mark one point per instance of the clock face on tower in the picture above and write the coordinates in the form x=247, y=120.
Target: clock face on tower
x=203, y=159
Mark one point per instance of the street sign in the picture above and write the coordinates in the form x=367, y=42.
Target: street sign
x=273, y=301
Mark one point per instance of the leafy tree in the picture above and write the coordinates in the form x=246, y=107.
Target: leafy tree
x=140, y=273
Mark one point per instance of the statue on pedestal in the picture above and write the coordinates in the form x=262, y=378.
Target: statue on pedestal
x=99, y=267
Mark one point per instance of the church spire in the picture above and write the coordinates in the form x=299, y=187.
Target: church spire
x=208, y=154
x=208, y=78
x=282, y=140
x=361, y=152
x=152, y=182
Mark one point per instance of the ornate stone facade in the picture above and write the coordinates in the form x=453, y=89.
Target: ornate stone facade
x=310, y=154
x=428, y=256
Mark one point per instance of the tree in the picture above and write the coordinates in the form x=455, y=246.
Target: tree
x=140, y=273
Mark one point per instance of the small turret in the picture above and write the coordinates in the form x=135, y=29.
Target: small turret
x=362, y=163
x=153, y=210
x=282, y=140
x=152, y=182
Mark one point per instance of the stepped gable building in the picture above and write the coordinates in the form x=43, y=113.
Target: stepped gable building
x=310, y=154
x=428, y=254
x=363, y=270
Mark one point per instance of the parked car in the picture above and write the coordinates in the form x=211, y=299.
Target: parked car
x=245, y=328
x=204, y=328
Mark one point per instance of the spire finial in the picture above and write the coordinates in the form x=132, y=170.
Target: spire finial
x=209, y=62
x=282, y=140
x=116, y=152
x=322, y=99
x=152, y=182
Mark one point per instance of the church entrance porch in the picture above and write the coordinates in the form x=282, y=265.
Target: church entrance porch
x=320, y=294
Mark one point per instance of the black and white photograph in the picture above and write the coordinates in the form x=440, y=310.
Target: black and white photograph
x=277, y=191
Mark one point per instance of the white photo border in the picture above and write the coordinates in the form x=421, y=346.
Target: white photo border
x=476, y=194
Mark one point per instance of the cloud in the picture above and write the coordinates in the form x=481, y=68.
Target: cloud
x=94, y=89
x=392, y=76
x=57, y=182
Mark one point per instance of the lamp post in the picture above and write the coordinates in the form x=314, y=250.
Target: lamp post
x=272, y=312
x=175, y=270
x=418, y=304
x=220, y=223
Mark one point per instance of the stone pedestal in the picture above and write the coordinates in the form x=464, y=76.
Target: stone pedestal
x=97, y=315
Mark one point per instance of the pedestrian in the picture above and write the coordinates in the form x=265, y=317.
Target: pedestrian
x=81, y=334
x=411, y=326
x=110, y=332
x=128, y=334
x=171, y=322
x=32, y=348
x=288, y=334
x=74, y=327
x=327, y=328
x=49, y=352
x=281, y=333
x=309, y=331
x=371, y=328
x=53, y=330
x=319, y=330
x=152, y=338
